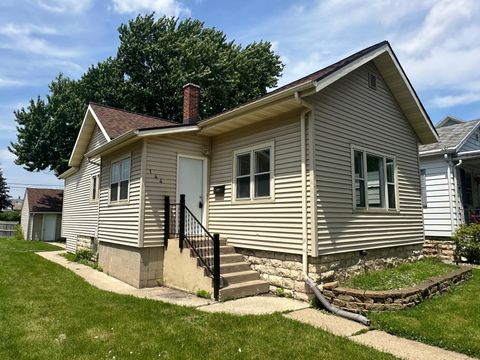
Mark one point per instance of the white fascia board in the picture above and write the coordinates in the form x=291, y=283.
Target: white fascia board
x=166, y=131
x=465, y=139
x=436, y=152
x=68, y=173
x=82, y=129
x=99, y=124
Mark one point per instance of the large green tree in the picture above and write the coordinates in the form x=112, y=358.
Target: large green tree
x=5, y=201
x=155, y=58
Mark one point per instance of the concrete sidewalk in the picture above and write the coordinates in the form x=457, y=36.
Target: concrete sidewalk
x=297, y=310
x=253, y=305
x=379, y=340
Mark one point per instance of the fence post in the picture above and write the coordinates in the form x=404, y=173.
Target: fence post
x=166, y=225
x=181, y=236
x=216, y=266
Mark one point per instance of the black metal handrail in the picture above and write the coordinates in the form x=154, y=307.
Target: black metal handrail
x=182, y=223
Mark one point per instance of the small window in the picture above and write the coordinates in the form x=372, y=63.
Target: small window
x=243, y=176
x=95, y=187
x=253, y=173
x=372, y=81
x=375, y=185
x=423, y=186
x=119, y=180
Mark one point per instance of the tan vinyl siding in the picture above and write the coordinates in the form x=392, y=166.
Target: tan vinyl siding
x=349, y=113
x=119, y=223
x=161, y=178
x=274, y=225
x=80, y=215
x=25, y=218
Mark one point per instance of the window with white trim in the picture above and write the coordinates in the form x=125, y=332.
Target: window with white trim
x=94, y=187
x=119, y=180
x=375, y=183
x=253, y=175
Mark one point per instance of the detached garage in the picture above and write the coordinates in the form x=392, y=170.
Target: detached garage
x=42, y=214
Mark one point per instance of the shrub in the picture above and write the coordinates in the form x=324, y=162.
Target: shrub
x=467, y=242
x=19, y=232
x=203, y=294
x=83, y=255
x=10, y=216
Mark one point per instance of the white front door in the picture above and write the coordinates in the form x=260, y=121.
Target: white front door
x=49, y=227
x=191, y=182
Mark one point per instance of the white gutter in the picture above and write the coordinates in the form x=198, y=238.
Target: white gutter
x=68, y=172
x=436, y=151
x=166, y=131
x=449, y=184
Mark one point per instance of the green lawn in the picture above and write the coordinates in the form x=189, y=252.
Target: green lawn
x=451, y=320
x=47, y=312
x=405, y=275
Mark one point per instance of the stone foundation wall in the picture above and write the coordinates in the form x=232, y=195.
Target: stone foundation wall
x=365, y=300
x=443, y=249
x=139, y=267
x=285, y=270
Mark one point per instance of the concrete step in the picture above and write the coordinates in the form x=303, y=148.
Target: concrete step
x=229, y=258
x=239, y=277
x=248, y=288
x=224, y=259
x=234, y=267
x=226, y=249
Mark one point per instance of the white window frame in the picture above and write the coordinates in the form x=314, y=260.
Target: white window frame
x=251, y=150
x=119, y=201
x=94, y=199
x=384, y=181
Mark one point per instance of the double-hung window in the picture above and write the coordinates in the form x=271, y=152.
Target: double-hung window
x=253, y=173
x=94, y=188
x=119, y=180
x=374, y=177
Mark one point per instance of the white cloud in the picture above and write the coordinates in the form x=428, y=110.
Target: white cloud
x=161, y=7
x=454, y=100
x=9, y=83
x=65, y=6
x=28, y=38
x=436, y=40
x=6, y=158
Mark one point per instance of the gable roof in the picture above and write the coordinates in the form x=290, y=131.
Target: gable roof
x=285, y=98
x=113, y=123
x=451, y=137
x=448, y=121
x=44, y=200
x=117, y=122
x=291, y=95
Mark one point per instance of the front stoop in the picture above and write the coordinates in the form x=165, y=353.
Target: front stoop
x=238, y=278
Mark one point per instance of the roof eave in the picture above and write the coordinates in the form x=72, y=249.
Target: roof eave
x=68, y=172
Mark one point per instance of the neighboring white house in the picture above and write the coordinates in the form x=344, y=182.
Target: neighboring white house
x=309, y=179
x=450, y=176
x=42, y=214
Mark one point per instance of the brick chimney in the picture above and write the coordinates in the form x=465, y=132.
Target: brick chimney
x=191, y=103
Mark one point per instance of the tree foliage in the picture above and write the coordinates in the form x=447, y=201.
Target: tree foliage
x=155, y=58
x=5, y=201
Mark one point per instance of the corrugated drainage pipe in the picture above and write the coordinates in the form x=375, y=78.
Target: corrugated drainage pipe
x=333, y=309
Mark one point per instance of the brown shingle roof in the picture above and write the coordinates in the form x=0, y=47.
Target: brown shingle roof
x=117, y=122
x=45, y=200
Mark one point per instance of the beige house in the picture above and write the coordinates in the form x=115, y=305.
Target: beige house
x=315, y=178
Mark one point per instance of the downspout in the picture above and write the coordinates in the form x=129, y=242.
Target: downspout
x=457, y=204
x=332, y=308
x=449, y=185
x=303, y=160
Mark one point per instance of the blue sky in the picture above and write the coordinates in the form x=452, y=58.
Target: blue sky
x=436, y=42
